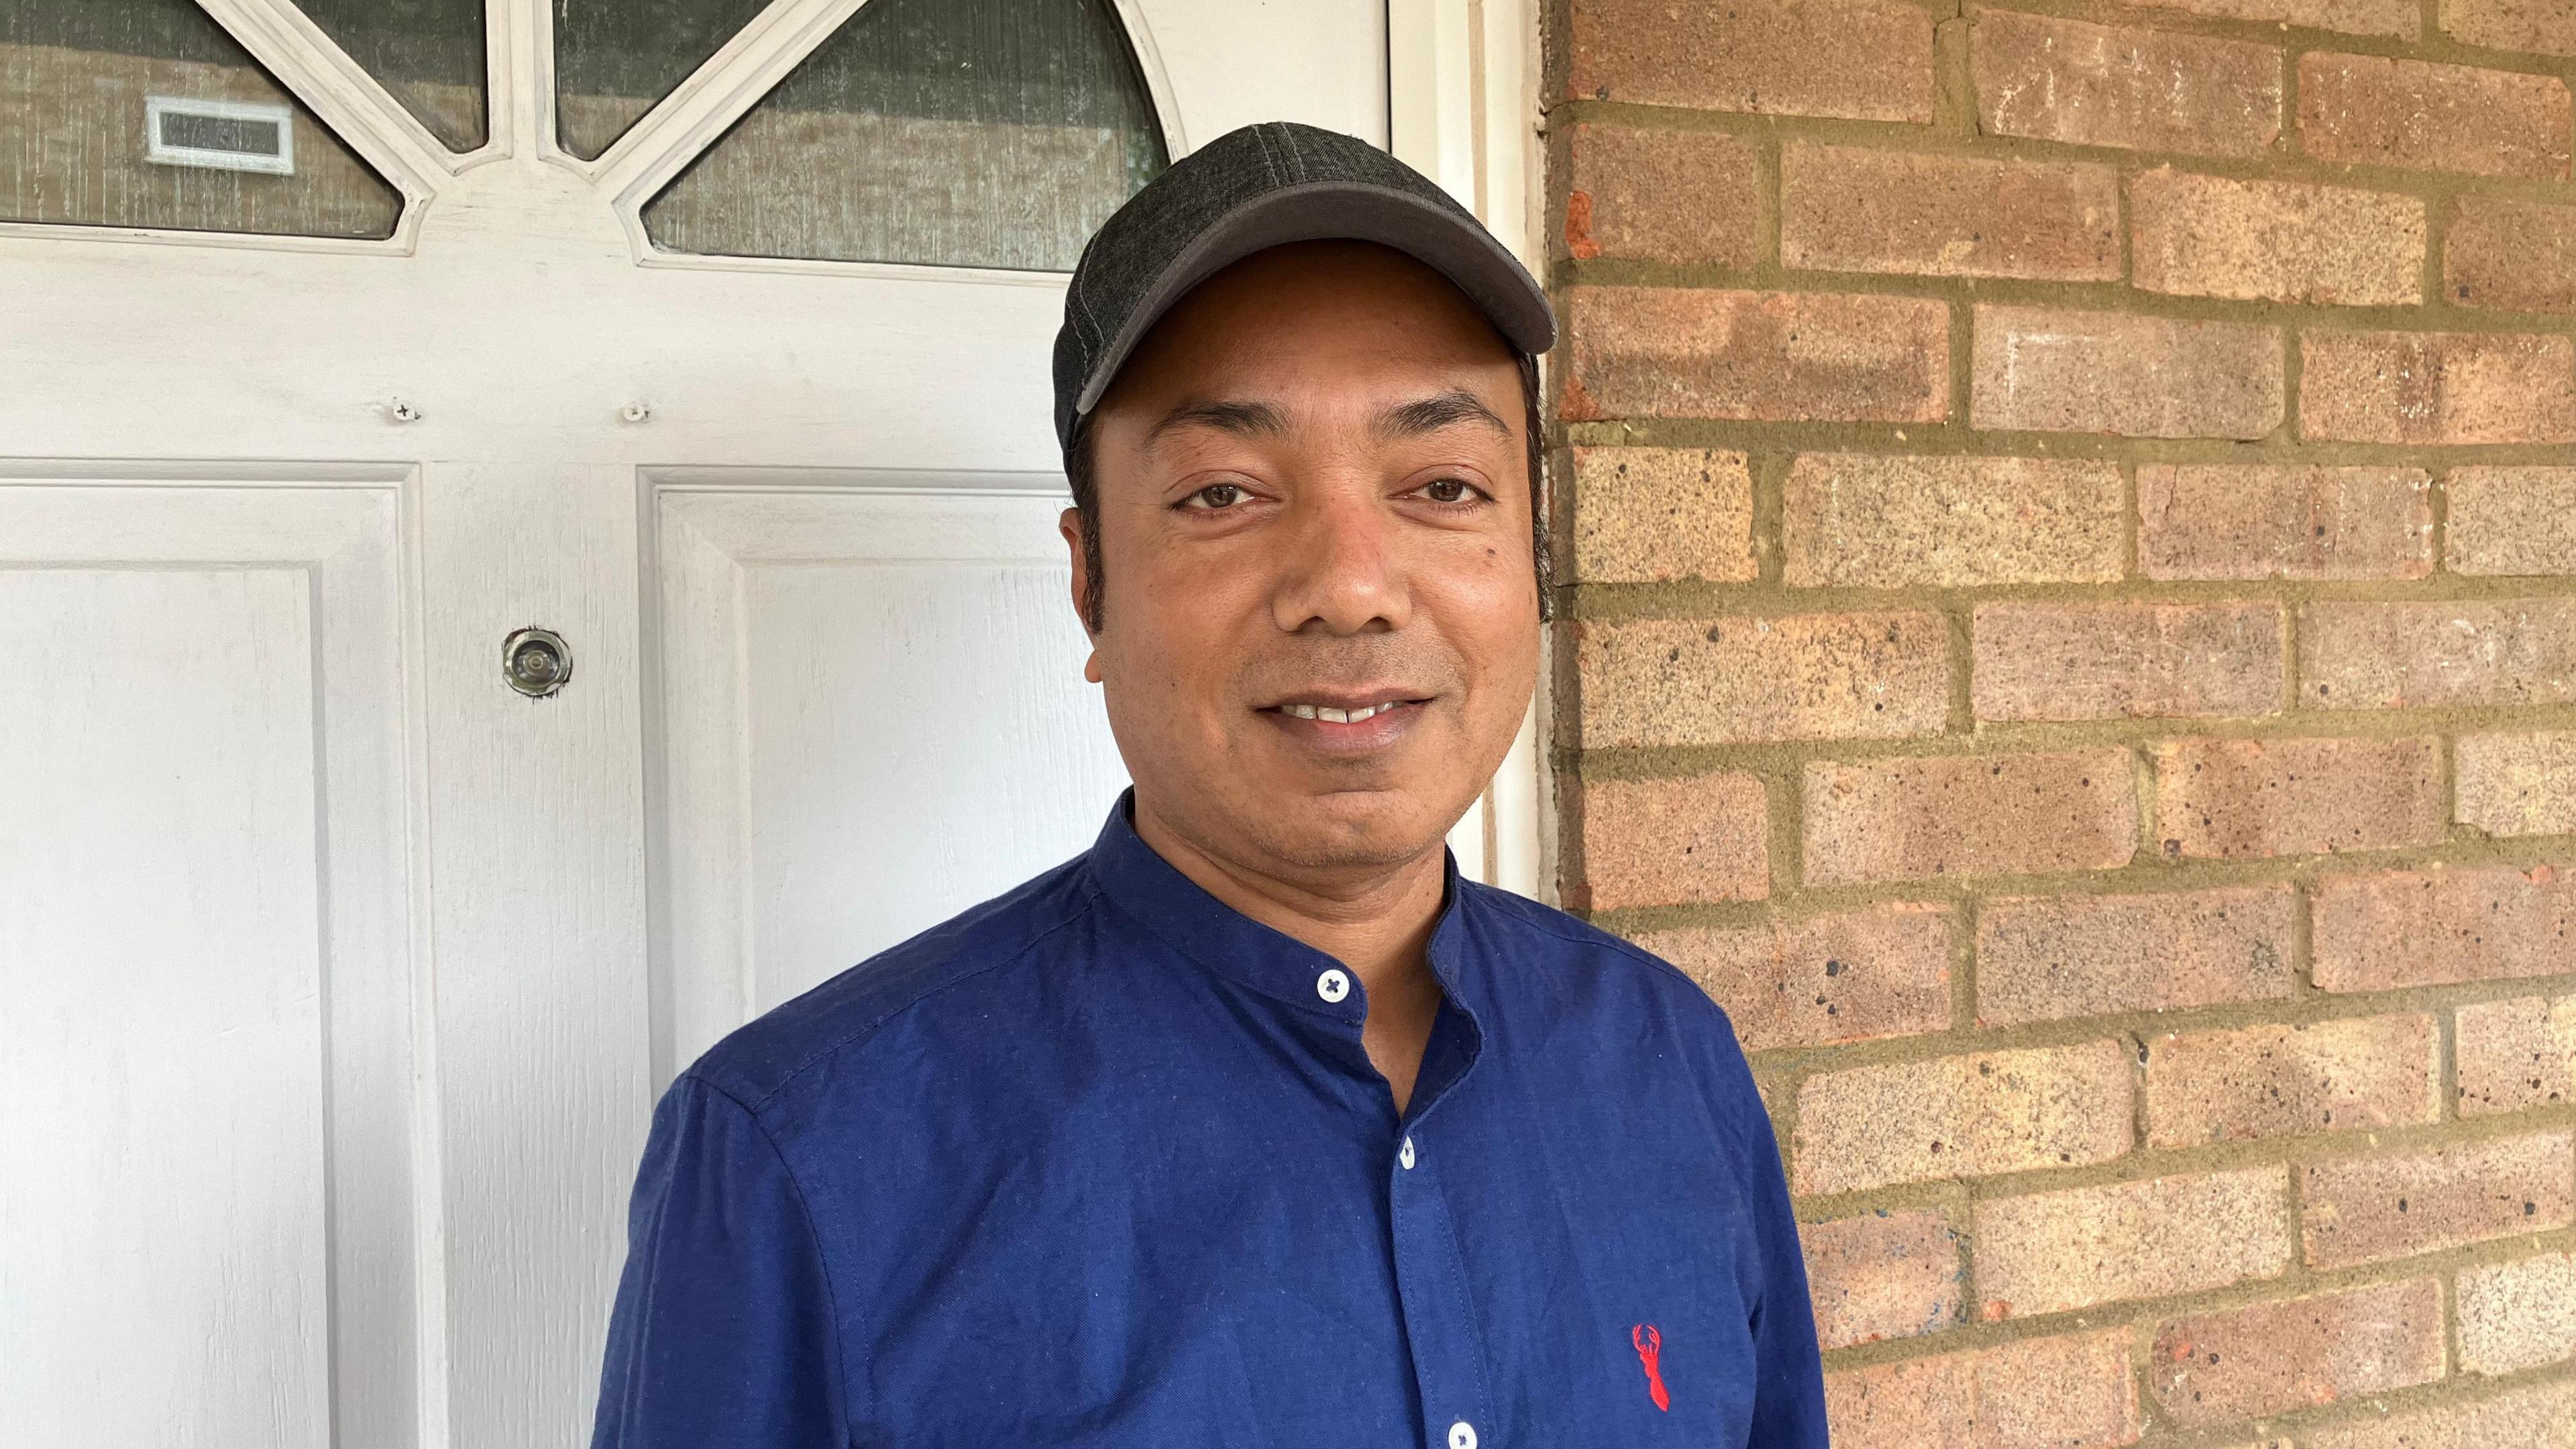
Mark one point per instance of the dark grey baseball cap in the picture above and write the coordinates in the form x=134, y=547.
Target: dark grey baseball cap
x=1260, y=187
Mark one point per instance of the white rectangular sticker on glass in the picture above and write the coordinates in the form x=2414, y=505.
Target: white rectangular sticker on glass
x=220, y=135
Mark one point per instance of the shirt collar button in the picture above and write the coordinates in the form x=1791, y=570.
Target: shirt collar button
x=1333, y=985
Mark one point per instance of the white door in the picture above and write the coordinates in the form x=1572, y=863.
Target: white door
x=337, y=344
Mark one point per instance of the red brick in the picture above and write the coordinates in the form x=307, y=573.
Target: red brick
x=1661, y=195
x=1869, y=60
x=1684, y=353
x=2438, y=653
x=2044, y=958
x=1881, y=1275
x=1648, y=515
x=2512, y=256
x=2055, y=1251
x=2072, y=1392
x=2281, y=241
x=1849, y=209
x=1965, y=1116
x=2234, y=799
x=2127, y=661
x=2518, y=1315
x=1821, y=980
x=2438, y=387
x=2517, y=784
x=2538, y=1417
x=2512, y=520
x=2439, y=927
x=2401, y=18
x=1912, y=819
x=2284, y=521
x=1861, y=520
x=2113, y=372
x=1672, y=841
x=2516, y=1054
x=2100, y=85
x=2547, y=26
x=2370, y=110
x=2246, y=1363
x=1654, y=682
x=2364, y=1209
x=2276, y=1080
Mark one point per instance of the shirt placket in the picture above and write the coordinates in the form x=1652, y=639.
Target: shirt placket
x=1431, y=1280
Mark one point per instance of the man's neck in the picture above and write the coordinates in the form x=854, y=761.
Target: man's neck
x=1376, y=921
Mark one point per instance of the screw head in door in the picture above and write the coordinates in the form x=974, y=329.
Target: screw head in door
x=536, y=662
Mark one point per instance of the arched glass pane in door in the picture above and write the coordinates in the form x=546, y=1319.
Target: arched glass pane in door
x=428, y=53
x=615, y=59
x=963, y=133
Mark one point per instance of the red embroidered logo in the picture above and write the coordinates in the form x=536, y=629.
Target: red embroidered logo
x=1650, y=1352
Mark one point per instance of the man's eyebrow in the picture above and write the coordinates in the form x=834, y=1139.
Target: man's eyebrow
x=1430, y=414
x=1244, y=419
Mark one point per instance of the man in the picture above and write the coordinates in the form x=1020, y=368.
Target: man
x=1255, y=1125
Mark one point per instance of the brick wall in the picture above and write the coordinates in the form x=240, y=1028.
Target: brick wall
x=2071, y=637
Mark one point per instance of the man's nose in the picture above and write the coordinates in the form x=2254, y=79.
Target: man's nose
x=1343, y=574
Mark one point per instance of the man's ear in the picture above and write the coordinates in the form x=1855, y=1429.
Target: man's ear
x=1071, y=523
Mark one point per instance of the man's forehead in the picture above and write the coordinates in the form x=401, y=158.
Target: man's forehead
x=1388, y=413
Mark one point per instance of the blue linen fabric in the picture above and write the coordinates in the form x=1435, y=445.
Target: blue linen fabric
x=1100, y=1163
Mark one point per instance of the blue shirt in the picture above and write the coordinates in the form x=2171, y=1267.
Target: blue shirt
x=1103, y=1162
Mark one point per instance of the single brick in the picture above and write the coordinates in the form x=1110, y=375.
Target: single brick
x=2055, y=1251
x=1869, y=60
x=2517, y=784
x=2540, y=1417
x=1737, y=679
x=2514, y=256
x=2277, y=1080
x=2512, y=520
x=2114, y=372
x=1869, y=521
x=2401, y=18
x=1881, y=1275
x=2245, y=1363
x=2072, y=1392
x=2127, y=661
x=2280, y=241
x=2439, y=927
x=2284, y=521
x=2043, y=958
x=2438, y=387
x=1648, y=515
x=1816, y=981
x=2370, y=110
x=1672, y=841
x=2101, y=85
x=2516, y=1054
x=1661, y=195
x=2547, y=26
x=1850, y=209
x=1766, y=356
x=1912, y=819
x=2437, y=653
x=2363, y=1209
x=1966, y=1116
x=2233, y=799
x=2518, y=1315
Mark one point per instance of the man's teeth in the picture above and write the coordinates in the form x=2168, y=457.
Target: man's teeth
x=1332, y=715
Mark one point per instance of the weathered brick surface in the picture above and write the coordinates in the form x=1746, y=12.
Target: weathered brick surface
x=2514, y=256
x=1882, y=1275
x=1661, y=195
x=2546, y=26
x=2126, y=661
x=2047, y=369
x=2372, y=110
x=1851, y=209
x=2437, y=654
x=2516, y=1054
x=1800, y=676
x=1668, y=841
x=1687, y=353
x=2399, y=18
x=1869, y=60
x=2518, y=1315
x=2071, y=1392
x=1647, y=515
x=2384, y=930
x=2043, y=958
x=2437, y=387
x=2242, y=1363
x=2230, y=799
x=2364, y=1209
x=2512, y=520
x=1965, y=1116
x=2101, y=85
x=1847, y=976
x=1906, y=819
x=2517, y=784
x=2054, y=1251
x=2278, y=1080
x=2282, y=241
x=1881, y=521
x=2542, y=1416
x=2284, y=521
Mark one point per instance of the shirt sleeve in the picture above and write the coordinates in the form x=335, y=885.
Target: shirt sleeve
x=723, y=1333
x=1789, y=1382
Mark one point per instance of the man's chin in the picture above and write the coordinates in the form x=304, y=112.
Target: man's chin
x=1356, y=830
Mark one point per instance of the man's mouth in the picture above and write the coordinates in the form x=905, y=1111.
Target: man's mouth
x=1332, y=715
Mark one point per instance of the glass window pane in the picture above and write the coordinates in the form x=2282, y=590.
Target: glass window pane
x=145, y=113
x=615, y=59
x=966, y=133
x=429, y=53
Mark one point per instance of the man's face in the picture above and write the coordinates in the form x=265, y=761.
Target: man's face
x=1320, y=621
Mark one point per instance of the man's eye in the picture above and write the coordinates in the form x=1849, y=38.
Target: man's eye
x=1448, y=490
x=1217, y=495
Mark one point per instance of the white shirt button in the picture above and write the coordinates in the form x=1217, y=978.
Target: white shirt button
x=1404, y=1154
x=1462, y=1435
x=1333, y=985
